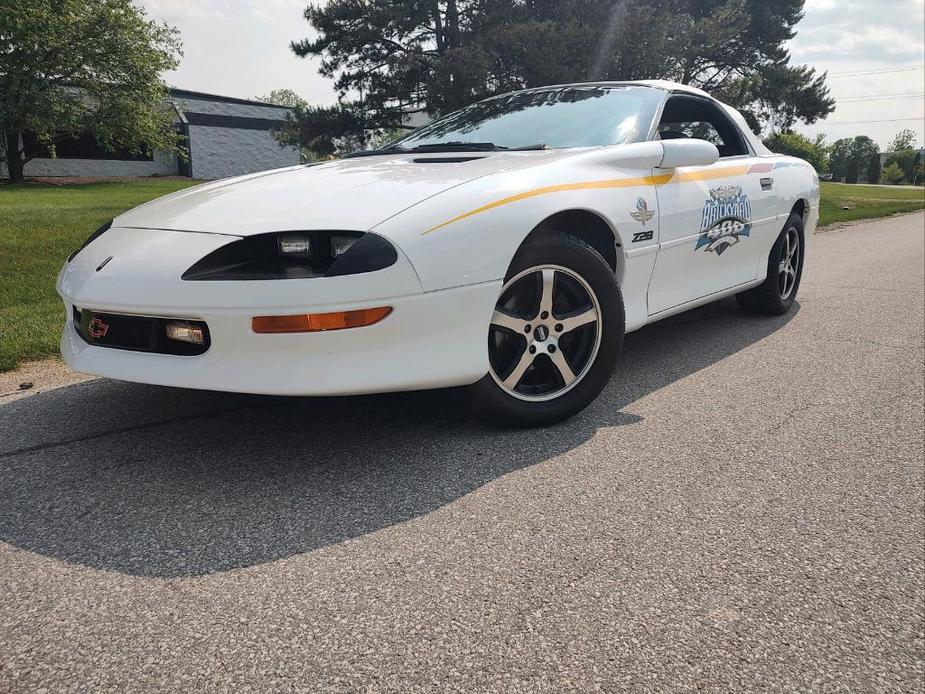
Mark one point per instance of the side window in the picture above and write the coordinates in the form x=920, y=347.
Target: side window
x=697, y=129
x=690, y=116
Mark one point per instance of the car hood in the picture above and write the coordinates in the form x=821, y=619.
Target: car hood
x=348, y=194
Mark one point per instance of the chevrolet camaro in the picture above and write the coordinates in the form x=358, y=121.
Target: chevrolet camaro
x=507, y=247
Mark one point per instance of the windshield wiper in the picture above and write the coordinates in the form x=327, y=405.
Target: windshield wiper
x=447, y=147
x=457, y=147
x=376, y=152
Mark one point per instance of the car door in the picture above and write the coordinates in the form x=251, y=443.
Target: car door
x=706, y=213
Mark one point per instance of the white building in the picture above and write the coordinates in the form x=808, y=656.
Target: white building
x=225, y=136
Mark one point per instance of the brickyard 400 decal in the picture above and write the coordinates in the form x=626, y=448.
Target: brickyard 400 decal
x=726, y=219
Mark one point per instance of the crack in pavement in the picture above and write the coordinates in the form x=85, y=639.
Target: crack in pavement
x=866, y=342
x=126, y=429
x=791, y=414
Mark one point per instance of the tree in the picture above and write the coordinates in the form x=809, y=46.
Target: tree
x=391, y=57
x=903, y=153
x=70, y=68
x=863, y=150
x=892, y=173
x=283, y=97
x=290, y=134
x=903, y=140
x=851, y=157
x=320, y=131
x=839, y=156
x=873, y=169
x=815, y=151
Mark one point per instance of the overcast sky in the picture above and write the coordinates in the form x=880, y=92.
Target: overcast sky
x=241, y=48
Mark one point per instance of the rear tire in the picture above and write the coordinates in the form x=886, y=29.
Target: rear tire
x=776, y=294
x=555, y=336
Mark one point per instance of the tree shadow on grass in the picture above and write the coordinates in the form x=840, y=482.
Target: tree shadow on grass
x=152, y=481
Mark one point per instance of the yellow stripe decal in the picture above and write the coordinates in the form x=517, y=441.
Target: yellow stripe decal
x=658, y=180
x=707, y=175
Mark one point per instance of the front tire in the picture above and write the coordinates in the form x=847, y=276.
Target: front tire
x=776, y=294
x=555, y=335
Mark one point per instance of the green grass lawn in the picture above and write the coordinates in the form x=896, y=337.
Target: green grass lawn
x=867, y=201
x=41, y=224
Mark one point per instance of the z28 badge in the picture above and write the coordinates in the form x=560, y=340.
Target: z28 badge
x=725, y=219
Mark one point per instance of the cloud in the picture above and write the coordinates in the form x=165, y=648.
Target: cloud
x=846, y=37
x=883, y=45
x=240, y=48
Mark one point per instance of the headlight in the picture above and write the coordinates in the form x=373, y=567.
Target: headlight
x=299, y=246
x=340, y=244
x=93, y=237
x=295, y=255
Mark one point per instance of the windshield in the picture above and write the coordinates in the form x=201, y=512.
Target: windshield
x=575, y=116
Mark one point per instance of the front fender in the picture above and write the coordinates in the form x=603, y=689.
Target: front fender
x=469, y=234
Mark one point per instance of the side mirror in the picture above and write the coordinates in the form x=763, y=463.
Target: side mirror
x=688, y=152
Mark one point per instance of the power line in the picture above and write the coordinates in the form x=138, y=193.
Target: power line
x=879, y=98
x=857, y=122
x=876, y=72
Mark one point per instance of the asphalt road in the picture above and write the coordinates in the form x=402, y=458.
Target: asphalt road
x=743, y=509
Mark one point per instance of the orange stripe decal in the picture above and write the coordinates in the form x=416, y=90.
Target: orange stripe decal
x=660, y=179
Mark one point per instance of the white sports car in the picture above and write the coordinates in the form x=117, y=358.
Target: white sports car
x=508, y=247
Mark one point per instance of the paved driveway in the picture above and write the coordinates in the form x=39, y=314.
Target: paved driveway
x=741, y=509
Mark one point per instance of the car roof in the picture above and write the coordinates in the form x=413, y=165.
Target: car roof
x=670, y=86
x=664, y=85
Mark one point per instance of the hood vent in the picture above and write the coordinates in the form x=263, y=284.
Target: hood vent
x=445, y=160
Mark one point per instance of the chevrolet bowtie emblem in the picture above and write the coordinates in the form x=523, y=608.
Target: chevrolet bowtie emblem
x=97, y=328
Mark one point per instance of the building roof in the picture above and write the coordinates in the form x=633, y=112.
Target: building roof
x=187, y=94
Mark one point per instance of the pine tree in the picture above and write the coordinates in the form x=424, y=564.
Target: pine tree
x=391, y=57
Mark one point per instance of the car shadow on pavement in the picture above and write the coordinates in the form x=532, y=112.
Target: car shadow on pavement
x=162, y=482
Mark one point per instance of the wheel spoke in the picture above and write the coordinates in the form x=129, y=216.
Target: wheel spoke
x=514, y=377
x=549, y=279
x=793, y=249
x=561, y=364
x=544, y=289
x=787, y=245
x=572, y=322
x=505, y=320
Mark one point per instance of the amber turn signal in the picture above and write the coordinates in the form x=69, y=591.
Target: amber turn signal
x=317, y=322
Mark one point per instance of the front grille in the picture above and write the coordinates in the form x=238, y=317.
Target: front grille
x=135, y=333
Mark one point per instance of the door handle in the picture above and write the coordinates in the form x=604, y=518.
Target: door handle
x=767, y=183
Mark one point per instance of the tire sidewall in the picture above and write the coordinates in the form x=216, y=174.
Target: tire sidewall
x=793, y=222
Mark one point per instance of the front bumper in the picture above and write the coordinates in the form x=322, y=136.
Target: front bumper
x=430, y=340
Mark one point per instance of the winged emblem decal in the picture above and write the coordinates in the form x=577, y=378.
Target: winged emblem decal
x=642, y=214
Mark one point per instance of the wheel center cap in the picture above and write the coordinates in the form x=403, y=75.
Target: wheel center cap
x=541, y=333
